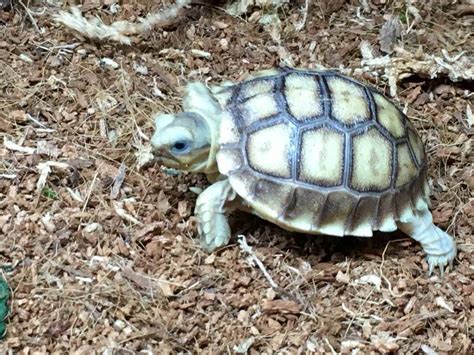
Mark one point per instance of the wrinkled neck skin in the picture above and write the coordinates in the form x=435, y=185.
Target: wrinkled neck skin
x=199, y=99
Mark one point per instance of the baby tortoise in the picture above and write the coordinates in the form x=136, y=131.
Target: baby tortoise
x=313, y=152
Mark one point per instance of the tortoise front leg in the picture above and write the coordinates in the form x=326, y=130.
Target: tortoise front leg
x=213, y=226
x=438, y=245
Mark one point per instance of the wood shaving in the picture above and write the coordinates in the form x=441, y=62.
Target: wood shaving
x=118, y=31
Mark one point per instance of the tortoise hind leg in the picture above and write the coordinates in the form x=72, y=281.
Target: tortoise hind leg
x=213, y=226
x=438, y=245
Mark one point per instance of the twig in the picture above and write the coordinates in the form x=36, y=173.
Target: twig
x=30, y=16
x=246, y=248
x=299, y=26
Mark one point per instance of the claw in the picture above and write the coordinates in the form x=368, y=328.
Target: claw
x=431, y=268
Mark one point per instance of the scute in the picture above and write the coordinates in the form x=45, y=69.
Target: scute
x=303, y=96
x=389, y=116
x=229, y=131
x=349, y=103
x=371, y=162
x=416, y=144
x=406, y=168
x=268, y=150
x=229, y=160
x=271, y=197
x=324, y=155
x=255, y=88
x=259, y=108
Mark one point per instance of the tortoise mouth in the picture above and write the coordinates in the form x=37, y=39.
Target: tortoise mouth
x=168, y=161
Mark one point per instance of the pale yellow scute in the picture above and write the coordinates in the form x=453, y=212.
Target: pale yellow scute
x=322, y=157
x=417, y=146
x=256, y=88
x=349, y=105
x=268, y=150
x=229, y=132
x=259, y=107
x=228, y=160
x=406, y=168
x=389, y=116
x=303, y=96
x=371, y=162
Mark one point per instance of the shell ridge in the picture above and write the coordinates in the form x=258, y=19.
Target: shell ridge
x=268, y=122
x=289, y=204
x=316, y=220
x=294, y=149
x=395, y=207
x=413, y=155
x=348, y=224
x=375, y=223
x=325, y=94
x=347, y=159
x=296, y=154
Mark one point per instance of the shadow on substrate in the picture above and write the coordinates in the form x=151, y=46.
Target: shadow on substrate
x=319, y=248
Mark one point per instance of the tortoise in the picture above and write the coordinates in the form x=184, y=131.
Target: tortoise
x=310, y=151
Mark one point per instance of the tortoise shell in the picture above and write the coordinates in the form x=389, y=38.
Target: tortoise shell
x=318, y=152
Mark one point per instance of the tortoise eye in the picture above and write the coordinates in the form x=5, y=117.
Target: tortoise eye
x=180, y=147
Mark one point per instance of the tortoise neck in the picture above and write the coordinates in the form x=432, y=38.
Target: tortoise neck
x=199, y=99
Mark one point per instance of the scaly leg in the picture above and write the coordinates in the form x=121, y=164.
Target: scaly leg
x=213, y=226
x=438, y=245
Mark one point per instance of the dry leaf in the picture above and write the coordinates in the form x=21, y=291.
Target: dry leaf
x=18, y=148
x=373, y=280
x=440, y=301
x=469, y=116
x=389, y=33
x=428, y=350
x=281, y=306
x=342, y=277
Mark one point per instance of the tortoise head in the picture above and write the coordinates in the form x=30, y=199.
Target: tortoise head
x=182, y=141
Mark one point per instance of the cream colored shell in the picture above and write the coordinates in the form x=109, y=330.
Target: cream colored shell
x=317, y=152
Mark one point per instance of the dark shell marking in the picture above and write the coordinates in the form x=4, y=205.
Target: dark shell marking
x=319, y=152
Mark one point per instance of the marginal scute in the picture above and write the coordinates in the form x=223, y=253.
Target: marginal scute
x=268, y=150
x=259, y=108
x=229, y=132
x=322, y=157
x=389, y=116
x=271, y=197
x=406, y=168
x=336, y=212
x=403, y=205
x=243, y=183
x=363, y=217
x=349, y=104
x=385, y=214
x=303, y=96
x=298, y=215
x=229, y=160
x=371, y=162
